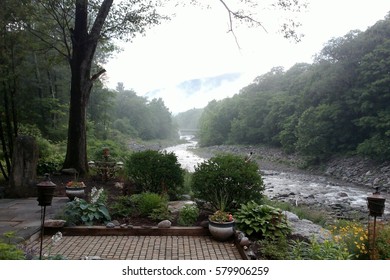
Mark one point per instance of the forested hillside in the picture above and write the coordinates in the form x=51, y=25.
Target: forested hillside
x=338, y=104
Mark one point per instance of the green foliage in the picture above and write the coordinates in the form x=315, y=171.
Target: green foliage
x=274, y=249
x=147, y=202
x=314, y=250
x=8, y=250
x=303, y=212
x=264, y=221
x=382, y=243
x=161, y=212
x=188, y=215
x=117, y=150
x=155, y=171
x=353, y=236
x=226, y=181
x=80, y=211
x=122, y=207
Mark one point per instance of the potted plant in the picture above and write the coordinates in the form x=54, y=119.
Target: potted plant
x=74, y=189
x=222, y=183
x=221, y=225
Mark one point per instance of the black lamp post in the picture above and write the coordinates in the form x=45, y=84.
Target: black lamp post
x=376, y=206
x=45, y=196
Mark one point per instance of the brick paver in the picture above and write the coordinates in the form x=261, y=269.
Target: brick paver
x=140, y=248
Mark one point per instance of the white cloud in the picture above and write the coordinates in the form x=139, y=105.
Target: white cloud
x=195, y=44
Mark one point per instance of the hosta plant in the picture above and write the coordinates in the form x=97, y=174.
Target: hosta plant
x=263, y=221
x=80, y=211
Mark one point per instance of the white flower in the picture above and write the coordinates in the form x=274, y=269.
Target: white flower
x=56, y=237
x=95, y=194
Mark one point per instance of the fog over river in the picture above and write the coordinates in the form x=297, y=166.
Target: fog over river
x=344, y=200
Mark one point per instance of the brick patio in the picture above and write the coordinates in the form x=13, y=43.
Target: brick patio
x=140, y=248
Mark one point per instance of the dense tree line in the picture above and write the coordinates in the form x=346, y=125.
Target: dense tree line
x=338, y=104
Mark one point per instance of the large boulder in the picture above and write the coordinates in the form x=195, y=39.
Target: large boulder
x=306, y=230
x=23, y=178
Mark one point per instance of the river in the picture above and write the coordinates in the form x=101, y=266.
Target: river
x=344, y=200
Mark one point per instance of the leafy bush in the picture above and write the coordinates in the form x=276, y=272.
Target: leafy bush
x=8, y=250
x=273, y=249
x=353, y=236
x=328, y=250
x=122, y=207
x=155, y=171
x=96, y=147
x=188, y=215
x=226, y=181
x=382, y=243
x=146, y=203
x=79, y=211
x=262, y=220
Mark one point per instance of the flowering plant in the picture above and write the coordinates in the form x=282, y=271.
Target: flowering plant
x=221, y=217
x=75, y=184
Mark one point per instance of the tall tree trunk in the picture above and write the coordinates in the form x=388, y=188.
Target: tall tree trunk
x=83, y=50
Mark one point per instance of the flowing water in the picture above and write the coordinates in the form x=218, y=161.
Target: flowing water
x=342, y=199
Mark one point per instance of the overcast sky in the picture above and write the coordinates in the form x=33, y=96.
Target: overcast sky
x=195, y=45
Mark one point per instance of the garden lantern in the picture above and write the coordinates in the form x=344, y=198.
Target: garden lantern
x=45, y=196
x=376, y=206
x=376, y=203
x=45, y=191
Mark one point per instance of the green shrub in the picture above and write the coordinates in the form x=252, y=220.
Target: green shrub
x=314, y=250
x=117, y=152
x=122, y=207
x=273, y=249
x=161, y=212
x=147, y=202
x=382, y=243
x=188, y=215
x=155, y=171
x=261, y=220
x=226, y=181
x=353, y=236
x=8, y=250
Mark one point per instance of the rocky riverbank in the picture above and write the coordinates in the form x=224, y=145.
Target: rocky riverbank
x=352, y=170
x=340, y=187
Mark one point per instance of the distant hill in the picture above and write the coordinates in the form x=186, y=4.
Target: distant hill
x=196, y=93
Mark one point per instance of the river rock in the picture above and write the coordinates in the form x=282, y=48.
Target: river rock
x=164, y=224
x=245, y=241
x=110, y=225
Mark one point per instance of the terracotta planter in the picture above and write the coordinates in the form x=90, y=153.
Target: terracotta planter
x=73, y=192
x=221, y=231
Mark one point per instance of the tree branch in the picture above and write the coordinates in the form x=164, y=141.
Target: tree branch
x=98, y=74
x=239, y=16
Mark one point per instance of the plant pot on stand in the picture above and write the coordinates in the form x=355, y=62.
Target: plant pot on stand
x=73, y=191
